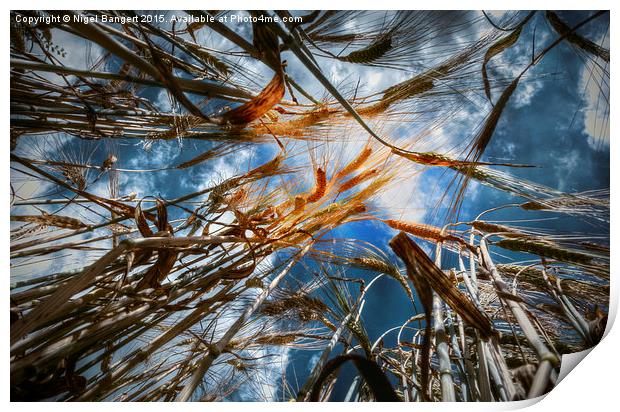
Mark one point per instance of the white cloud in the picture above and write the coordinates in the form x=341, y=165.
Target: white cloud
x=526, y=91
x=220, y=169
x=314, y=359
x=570, y=161
x=594, y=81
x=73, y=52
x=264, y=384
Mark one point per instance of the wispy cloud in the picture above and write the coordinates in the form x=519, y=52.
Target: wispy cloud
x=594, y=81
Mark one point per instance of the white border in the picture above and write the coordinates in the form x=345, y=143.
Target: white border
x=590, y=387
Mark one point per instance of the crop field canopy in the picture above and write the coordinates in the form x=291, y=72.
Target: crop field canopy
x=306, y=205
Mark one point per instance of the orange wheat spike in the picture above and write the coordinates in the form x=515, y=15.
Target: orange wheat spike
x=365, y=175
x=355, y=163
x=420, y=230
x=319, y=189
x=259, y=105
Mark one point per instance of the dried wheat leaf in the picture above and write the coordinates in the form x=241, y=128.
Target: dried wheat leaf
x=420, y=264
